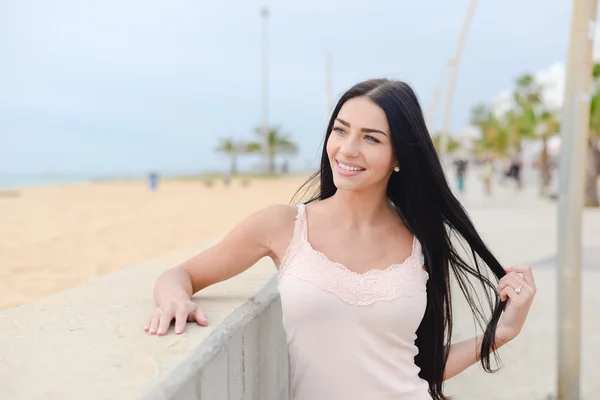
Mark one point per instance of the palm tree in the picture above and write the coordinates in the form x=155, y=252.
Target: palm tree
x=535, y=121
x=232, y=149
x=494, y=138
x=593, y=153
x=548, y=126
x=527, y=97
x=279, y=144
x=515, y=125
x=528, y=93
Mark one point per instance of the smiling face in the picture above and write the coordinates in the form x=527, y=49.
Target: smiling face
x=360, y=147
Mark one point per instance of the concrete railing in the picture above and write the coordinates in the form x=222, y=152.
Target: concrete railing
x=88, y=342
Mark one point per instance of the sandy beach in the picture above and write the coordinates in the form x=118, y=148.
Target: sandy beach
x=54, y=238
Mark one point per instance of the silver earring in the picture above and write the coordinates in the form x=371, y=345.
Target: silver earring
x=397, y=168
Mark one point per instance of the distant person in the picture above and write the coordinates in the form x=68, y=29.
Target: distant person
x=227, y=179
x=460, y=165
x=514, y=171
x=487, y=172
x=153, y=181
x=365, y=266
x=545, y=171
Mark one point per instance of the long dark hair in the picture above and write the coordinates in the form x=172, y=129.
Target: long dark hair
x=434, y=215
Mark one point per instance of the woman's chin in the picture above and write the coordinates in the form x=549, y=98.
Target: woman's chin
x=348, y=183
x=357, y=183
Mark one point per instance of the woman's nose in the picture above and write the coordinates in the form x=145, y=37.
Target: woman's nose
x=349, y=148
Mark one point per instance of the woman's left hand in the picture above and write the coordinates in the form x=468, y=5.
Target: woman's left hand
x=517, y=287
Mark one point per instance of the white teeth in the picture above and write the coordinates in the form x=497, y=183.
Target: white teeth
x=348, y=167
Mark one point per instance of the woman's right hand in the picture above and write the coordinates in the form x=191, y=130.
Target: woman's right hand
x=180, y=310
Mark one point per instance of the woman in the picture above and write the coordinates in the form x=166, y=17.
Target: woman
x=365, y=265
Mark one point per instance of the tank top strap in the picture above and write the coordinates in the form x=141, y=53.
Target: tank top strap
x=298, y=239
x=300, y=226
x=417, y=251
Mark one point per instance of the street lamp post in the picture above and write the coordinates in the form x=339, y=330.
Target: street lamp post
x=454, y=63
x=574, y=127
x=328, y=84
x=431, y=113
x=264, y=126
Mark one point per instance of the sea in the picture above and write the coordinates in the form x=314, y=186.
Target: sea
x=16, y=181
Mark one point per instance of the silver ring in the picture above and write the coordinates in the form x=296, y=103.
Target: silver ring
x=518, y=290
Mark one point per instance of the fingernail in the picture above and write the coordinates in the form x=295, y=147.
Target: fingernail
x=178, y=330
x=146, y=327
x=160, y=332
x=152, y=331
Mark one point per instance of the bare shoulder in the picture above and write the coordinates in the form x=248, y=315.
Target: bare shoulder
x=275, y=226
x=272, y=221
x=275, y=217
x=261, y=234
x=282, y=212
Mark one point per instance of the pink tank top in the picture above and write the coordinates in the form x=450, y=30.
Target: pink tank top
x=351, y=336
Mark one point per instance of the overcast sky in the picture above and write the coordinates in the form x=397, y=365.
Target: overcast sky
x=124, y=86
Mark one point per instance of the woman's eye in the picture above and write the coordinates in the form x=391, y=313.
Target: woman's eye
x=339, y=130
x=372, y=139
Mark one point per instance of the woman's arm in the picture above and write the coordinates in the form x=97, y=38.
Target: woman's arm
x=464, y=354
x=251, y=240
x=518, y=289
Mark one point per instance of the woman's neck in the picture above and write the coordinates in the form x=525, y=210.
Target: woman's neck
x=356, y=210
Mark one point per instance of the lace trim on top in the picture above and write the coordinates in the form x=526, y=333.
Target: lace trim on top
x=303, y=262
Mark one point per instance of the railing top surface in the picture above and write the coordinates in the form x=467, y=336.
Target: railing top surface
x=88, y=342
